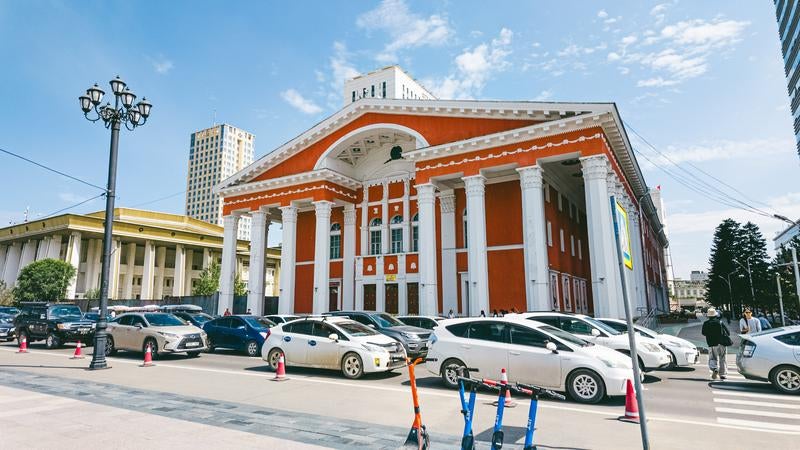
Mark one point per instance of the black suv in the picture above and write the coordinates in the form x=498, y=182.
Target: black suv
x=414, y=339
x=55, y=323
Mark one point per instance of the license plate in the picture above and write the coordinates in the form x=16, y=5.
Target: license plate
x=3, y=334
x=193, y=344
x=84, y=330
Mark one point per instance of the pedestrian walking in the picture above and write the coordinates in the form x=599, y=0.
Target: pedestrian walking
x=718, y=339
x=227, y=312
x=450, y=314
x=749, y=324
x=248, y=311
x=762, y=319
x=483, y=314
x=494, y=313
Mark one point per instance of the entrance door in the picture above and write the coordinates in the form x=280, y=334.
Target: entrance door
x=413, y=298
x=333, y=297
x=391, y=298
x=369, y=297
x=465, y=311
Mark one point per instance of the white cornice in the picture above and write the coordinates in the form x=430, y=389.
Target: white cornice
x=290, y=180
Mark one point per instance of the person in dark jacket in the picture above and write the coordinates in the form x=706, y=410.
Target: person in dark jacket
x=716, y=334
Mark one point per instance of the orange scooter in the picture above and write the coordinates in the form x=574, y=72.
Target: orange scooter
x=418, y=436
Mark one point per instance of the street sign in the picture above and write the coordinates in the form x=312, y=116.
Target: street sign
x=624, y=234
x=391, y=277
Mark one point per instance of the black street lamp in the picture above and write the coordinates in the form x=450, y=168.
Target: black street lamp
x=123, y=112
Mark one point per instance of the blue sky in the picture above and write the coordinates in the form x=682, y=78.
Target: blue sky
x=702, y=81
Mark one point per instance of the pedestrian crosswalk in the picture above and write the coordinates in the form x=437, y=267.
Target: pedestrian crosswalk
x=755, y=405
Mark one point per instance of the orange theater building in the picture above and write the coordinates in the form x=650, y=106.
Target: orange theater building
x=403, y=203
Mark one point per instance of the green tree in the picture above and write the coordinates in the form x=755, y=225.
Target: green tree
x=725, y=248
x=44, y=280
x=782, y=265
x=92, y=294
x=6, y=295
x=754, y=251
x=208, y=284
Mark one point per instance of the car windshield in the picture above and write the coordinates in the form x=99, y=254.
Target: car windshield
x=64, y=312
x=4, y=318
x=163, y=320
x=356, y=329
x=646, y=331
x=258, y=322
x=602, y=326
x=9, y=310
x=201, y=318
x=385, y=321
x=564, y=336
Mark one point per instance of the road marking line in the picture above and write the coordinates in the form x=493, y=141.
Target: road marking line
x=743, y=426
x=753, y=423
x=755, y=412
x=747, y=393
x=751, y=403
x=44, y=406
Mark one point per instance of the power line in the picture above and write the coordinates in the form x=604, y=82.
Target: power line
x=52, y=170
x=70, y=207
x=158, y=199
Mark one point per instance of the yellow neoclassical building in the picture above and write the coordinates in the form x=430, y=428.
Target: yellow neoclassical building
x=155, y=254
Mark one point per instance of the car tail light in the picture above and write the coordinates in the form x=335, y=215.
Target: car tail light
x=748, y=348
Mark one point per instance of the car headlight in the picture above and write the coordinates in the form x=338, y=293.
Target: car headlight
x=263, y=334
x=373, y=348
x=616, y=364
x=409, y=335
x=168, y=335
x=651, y=347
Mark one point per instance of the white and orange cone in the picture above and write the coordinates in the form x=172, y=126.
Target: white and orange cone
x=631, y=407
x=509, y=403
x=78, y=354
x=280, y=372
x=148, y=357
x=23, y=345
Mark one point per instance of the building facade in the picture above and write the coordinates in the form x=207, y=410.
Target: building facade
x=389, y=82
x=215, y=154
x=691, y=293
x=155, y=255
x=658, y=202
x=412, y=206
x=787, y=12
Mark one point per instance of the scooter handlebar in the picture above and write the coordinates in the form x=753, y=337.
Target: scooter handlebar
x=530, y=389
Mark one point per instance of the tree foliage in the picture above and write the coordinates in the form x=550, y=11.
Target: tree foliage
x=781, y=266
x=6, y=295
x=92, y=294
x=44, y=280
x=208, y=284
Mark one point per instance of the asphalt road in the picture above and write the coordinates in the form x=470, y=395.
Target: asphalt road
x=685, y=409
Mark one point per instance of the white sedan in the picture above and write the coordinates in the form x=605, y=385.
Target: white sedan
x=332, y=343
x=531, y=352
x=772, y=355
x=683, y=352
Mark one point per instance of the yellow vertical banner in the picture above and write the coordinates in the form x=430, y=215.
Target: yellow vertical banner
x=624, y=235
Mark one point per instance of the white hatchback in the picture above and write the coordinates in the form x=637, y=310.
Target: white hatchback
x=332, y=343
x=682, y=352
x=772, y=355
x=532, y=353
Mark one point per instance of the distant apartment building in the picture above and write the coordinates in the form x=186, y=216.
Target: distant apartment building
x=390, y=82
x=787, y=12
x=691, y=293
x=215, y=154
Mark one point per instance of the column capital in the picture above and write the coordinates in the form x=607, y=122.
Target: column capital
x=474, y=185
x=594, y=167
x=530, y=177
x=230, y=220
x=258, y=215
x=323, y=208
x=425, y=193
x=447, y=201
x=288, y=214
x=349, y=214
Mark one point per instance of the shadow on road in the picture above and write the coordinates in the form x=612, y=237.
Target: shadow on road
x=324, y=373
x=39, y=366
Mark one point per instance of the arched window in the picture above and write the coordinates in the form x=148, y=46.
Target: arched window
x=466, y=239
x=415, y=233
x=396, y=234
x=336, y=241
x=375, y=236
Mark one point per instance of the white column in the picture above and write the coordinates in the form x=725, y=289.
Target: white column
x=179, y=274
x=534, y=239
x=322, y=248
x=92, y=277
x=258, y=246
x=74, y=258
x=476, y=244
x=188, y=272
x=158, y=284
x=359, y=291
x=426, y=203
x=402, y=284
x=148, y=271
x=602, y=254
x=28, y=254
x=364, y=222
x=349, y=256
x=228, y=269
x=113, y=272
x=206, y=258
x=288, y=248
x=380, y=285
x=447, y=205
x=638, y=266
x=385, y=236
x=41, y=251
x=54, y=249
x=130, y=267
x=11, y=266
x=3, y=253
x=406, y=216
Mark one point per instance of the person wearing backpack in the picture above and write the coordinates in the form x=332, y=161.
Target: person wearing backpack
x=718, y=339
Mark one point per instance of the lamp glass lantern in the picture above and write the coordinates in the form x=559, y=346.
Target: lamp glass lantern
x=127, y=97
x=86, y=103
x=144, y=107
x=95, y=94
x=117, y=85
x=135, y=116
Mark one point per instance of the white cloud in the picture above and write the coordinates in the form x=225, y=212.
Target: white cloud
x=341, y=71
x=613, y=56
x=624, y=70
x=302, y=104
x=544, y=96
x=406, y=29
x=161, y=64
x=655, y=82
x=698, y=32
x=69, y=197
x=724, y=149
x=659, y=12
x=628, y=40
x=602, y=14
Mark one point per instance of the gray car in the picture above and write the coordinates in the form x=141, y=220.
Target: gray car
x=414, y=339
x=772, y=355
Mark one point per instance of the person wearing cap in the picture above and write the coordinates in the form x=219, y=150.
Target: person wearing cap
x=716, y=336
x=749, y=324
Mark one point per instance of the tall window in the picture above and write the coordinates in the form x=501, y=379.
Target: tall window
x=336, y=241
x=375, y=236
x=396, y=230
x=464, y=219
x=384, y=89
x=415, y=233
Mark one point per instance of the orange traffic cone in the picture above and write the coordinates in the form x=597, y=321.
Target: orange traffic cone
x=631, y=407
x=148, y=357
x=23, y=345
x=78, y=354
x=280, y=374
x=509, y=403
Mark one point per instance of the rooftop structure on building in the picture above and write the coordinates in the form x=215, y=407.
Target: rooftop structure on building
x=391, y=82
x=787, y=13
x=215, y=153
x=699, y=276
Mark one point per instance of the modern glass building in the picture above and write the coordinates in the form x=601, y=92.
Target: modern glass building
x=786, y=11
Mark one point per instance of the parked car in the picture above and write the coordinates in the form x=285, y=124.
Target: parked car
x=427, y=322
x=682, y=352
x=772, y=355
x=55, y=323
x=10, y=310
x=7, y=331
x=163, y=332
x=333, y=343
x=651, y=355
x=240, y=332
x=532, y=352
x=282, y=318
x=190, y=313
x=414, y=339
x=93, y=316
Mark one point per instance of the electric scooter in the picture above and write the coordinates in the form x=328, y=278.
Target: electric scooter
x=418, y=436
x=467, y=406
x=534, y=392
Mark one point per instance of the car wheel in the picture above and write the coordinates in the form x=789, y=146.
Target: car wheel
x=210, y=345
x=272, y=358
x=52, y=341
x=786, y=379
x=450, y=370
x=252, y=348
x=585, y=386
x=153, y=347
x=193, y=354
x=110, y=349
x=352, y=367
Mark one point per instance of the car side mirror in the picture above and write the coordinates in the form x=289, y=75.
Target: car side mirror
x=552, y=347
x=372, y=325
x=595, y=332
x=139, y=326
x=41, y=316
x=334, y=337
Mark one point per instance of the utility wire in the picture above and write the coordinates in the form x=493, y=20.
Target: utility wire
x=70, y=207
x=158, y=199
x=52, y=170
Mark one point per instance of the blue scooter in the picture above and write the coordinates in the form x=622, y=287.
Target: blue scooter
x=467, y=406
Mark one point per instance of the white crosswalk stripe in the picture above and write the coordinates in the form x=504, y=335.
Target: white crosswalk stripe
x=746, y=405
